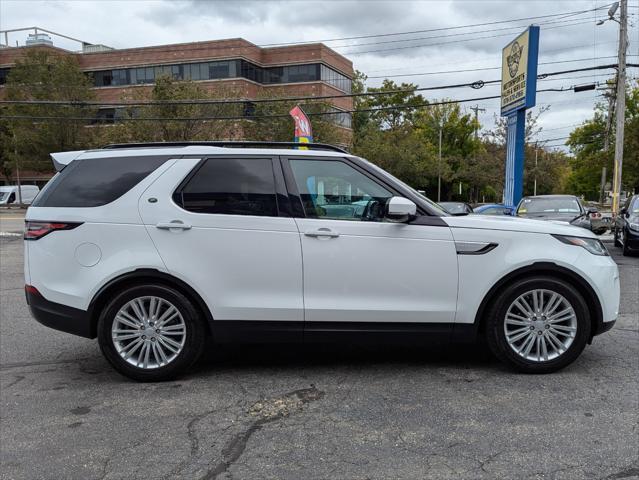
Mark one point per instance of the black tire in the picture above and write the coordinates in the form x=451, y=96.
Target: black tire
x=496, y=337
x=625, y=251
x=193, y=345
x=616, y=237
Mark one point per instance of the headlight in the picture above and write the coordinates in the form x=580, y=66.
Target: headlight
x=593, y=245
x=634, y=226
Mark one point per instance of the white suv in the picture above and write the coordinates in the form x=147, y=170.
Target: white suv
x=161, y=250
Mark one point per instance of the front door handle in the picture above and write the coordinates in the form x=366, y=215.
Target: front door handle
x=321, y=232
x=173, y=224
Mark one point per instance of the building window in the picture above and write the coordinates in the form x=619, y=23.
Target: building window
x=3, y=75
x=222, y=69
x=339, y=81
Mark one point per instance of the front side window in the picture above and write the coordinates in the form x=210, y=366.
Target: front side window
x=231, y=186
x=335, y=190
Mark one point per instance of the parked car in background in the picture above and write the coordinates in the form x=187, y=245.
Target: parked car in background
x=456, y=208
x=494, y=209
x=163, y=250
x=562, y=208
x=9, y=194
x=626, y=227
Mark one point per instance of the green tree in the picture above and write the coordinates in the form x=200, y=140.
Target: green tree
x=587, y=145
x=388, y=137
x=41, y=75
x=175, y=121
x=271, y=121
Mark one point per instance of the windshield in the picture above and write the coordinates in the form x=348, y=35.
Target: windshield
x=453, y=207
x=549, y=205
x=634, y=206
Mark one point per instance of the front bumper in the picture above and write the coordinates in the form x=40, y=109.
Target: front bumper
x=632, y=239
x=60, y=317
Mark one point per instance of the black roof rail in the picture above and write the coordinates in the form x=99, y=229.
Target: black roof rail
x=230, y=144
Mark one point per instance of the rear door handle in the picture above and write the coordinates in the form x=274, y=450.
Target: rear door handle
x=173, y=224
x=322, y=232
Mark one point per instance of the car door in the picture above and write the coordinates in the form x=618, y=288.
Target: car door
x=221, y=225
x=360, y=269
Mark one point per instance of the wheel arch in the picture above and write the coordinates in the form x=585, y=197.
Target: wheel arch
x=553, y=270
x=141, y=276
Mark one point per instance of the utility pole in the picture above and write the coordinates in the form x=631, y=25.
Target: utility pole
x=602, y=188
x=621, y=105
x=476, y=109
x=611, y=110
x=439, y=162
x=535, y=186
x=15, y=153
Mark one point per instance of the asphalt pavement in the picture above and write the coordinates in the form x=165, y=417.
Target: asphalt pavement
x=323, y=413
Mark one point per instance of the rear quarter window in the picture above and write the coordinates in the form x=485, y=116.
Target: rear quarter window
x=96, y=181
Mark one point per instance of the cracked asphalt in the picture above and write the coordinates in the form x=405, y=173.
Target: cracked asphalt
x=322, y=413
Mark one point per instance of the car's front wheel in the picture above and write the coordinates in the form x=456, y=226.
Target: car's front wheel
x=150, y=333
x=538, y=325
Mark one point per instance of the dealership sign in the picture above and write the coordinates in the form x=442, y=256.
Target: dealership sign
x=519, y=72
x=518, y=92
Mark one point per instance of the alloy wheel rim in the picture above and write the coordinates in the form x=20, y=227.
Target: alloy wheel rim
x=148, y=332
x=540, y=325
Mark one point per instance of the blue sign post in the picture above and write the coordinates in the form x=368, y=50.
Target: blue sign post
x=518, y=92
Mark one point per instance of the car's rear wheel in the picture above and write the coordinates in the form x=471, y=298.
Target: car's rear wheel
x=150, y=333
x=625, y=251
x=616, y=237
x=538, y=325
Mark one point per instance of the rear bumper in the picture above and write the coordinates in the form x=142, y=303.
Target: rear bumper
x=60, y=317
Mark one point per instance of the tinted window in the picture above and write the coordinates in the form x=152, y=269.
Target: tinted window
x=96, y=181
x=549, y=205
x=492, y=211
x=335, y=190
x=454, y=207
x=232, y=186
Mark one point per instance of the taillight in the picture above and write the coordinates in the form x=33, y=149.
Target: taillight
x=30, y=289
x=35, y=230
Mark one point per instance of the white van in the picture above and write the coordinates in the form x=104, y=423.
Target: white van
x=9, y=194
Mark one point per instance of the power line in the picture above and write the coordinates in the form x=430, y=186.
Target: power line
x=476, y=84
x=570, y=48
x=457, y=41
x=515, y=27
x=575, y=12
x=251, y=117
x=489, y=68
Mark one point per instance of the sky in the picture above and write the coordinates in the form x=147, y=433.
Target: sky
x=445, y=39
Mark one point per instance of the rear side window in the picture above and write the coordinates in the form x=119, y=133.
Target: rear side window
x=232, y=186
x=96, y=181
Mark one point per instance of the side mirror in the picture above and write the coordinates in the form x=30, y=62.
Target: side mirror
x=400, y=209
